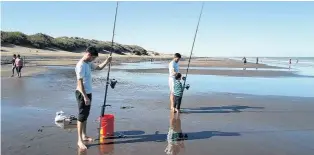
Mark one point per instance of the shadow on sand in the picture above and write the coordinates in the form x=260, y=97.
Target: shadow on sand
x=163, y=137
x=175, y=133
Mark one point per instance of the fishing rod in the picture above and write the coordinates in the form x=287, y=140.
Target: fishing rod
x=113, y=81
x=187, y=69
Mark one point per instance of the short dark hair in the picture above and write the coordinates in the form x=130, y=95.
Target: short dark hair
x=18, y=56
x=178, y=76
x=177, y=55
x=14, y=55
x=92, y=51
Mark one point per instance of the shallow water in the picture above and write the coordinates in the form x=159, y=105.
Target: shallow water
x=281, y=86
x=305, y=66
x=151, y=83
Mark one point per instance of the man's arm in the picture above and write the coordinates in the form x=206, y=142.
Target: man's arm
x=104, y=64
x=82, y=89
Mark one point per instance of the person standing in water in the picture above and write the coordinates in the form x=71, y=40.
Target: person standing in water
x=256, y=60
x=83, y=91
x=173, y=70
x=178, y=89
x=19, y=65
x=13, y=64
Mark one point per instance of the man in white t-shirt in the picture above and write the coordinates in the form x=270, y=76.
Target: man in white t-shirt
x=83, y=91
x=173, y=70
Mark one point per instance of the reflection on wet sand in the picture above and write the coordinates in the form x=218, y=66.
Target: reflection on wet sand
x=106, y=146
x=175, y=136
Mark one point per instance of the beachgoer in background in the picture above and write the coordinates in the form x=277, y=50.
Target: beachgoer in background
x=297, y=60
x=83, y=91
x=290, y=61
x=257, y=60
x=13, y=64
x=244, y=61
x=177, y=92
x=19, y=65
x=173, y=70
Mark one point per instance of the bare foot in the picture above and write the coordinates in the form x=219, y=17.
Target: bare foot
x=81, y=145
x=176, y=110
x=86, y=138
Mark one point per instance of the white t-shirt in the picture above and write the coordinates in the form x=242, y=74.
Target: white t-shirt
x=83, y=70
x=175, y=66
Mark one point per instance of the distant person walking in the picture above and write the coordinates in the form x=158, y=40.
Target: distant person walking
x=290, y=61
x=13, y=64
x=257, y=60
x=19, y=65
x=244, y=60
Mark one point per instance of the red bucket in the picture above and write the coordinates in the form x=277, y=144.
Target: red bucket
x=107, y=125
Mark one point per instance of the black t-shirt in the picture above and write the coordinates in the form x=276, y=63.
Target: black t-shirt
x=13, y=61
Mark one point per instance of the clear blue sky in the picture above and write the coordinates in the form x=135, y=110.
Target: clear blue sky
x=226, y=28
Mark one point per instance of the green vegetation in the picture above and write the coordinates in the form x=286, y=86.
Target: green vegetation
x=72, y=44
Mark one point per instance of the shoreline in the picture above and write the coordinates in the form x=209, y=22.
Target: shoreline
x=234, y=73
x=35, y=63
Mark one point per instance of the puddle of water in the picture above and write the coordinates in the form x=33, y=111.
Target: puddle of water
x=157, y=82
x=292, y=86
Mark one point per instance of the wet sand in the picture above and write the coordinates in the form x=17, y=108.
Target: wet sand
x=37, y=58
x=216, y=123
x=6, y=71
x=221, y=62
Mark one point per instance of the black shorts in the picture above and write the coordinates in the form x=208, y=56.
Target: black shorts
x=19, y=68
x=177, y=101
x=83, y=109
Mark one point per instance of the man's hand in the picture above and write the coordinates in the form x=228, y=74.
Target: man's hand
x=109, y=59
x=102, y=65
x=87, y=101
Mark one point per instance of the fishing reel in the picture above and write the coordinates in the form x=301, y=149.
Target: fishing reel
x=187, y=87
x=113, y=83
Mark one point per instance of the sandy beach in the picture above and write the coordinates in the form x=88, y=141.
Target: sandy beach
x=37, y=58
x=215, y=123
x=217, y=120
x=247, y=83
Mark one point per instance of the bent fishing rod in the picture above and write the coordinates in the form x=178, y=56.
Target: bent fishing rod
x=113, y=81
x=187, y=69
